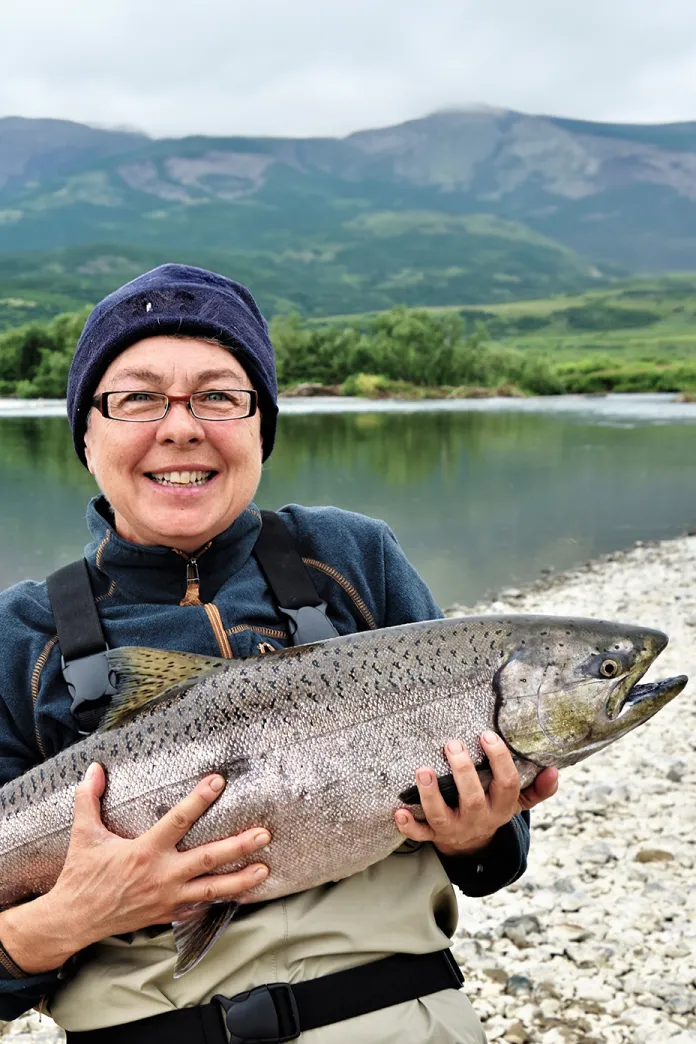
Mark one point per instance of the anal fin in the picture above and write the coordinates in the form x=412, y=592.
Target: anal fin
x=195, y=935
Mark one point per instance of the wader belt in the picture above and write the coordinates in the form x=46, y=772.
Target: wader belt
x=81, y=639
x=280, y=1011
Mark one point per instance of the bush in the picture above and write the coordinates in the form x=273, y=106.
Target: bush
x=366, y=385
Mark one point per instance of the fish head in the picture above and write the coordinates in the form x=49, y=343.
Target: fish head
x=569, y=687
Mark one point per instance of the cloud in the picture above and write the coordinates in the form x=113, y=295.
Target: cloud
x=328, y=67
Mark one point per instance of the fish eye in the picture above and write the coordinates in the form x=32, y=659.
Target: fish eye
x=609, y=668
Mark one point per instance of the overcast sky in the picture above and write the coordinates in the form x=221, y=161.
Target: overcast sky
x=328, y=67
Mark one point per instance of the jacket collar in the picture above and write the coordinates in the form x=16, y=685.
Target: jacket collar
x=158, y=574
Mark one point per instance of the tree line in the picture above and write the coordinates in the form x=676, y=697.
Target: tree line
x=402, y=351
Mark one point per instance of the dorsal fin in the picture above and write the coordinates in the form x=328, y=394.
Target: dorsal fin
x=145, y=677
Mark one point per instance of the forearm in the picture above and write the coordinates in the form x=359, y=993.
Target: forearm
x=35, y=938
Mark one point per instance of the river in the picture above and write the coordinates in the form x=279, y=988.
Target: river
x=482, y=494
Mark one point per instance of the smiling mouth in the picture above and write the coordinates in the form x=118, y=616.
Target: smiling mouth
x=181, y=479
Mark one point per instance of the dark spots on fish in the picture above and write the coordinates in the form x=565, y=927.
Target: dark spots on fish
x=235, y=769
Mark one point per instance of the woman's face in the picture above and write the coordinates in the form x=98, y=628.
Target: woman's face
x=127, y=458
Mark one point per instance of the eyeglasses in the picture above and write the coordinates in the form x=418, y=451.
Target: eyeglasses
x=213, y=405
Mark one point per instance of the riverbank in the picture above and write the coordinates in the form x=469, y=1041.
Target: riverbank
x=622, y=407
x=597, y=942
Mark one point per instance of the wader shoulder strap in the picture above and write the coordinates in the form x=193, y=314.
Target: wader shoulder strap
x=290, y=582
x=82, y=643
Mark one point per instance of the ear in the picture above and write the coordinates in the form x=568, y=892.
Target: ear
x=88, y=450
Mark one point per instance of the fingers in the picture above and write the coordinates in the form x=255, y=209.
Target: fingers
x=437, y=813
x=472, y=798
x=223, y=886
x=504, y=789
x=169, y=831
x=207, y=858
x=543, y=787
x=412, y=829
x=87, y=801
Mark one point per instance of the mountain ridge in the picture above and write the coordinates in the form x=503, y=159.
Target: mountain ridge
x=469, y=204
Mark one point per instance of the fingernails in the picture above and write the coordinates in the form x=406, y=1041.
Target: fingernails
x=89, y=774
x=260, y=872
x=490, y=737
x=262, y=838
x=401, y=818
x=455, y=747
x=217, y=783
x=424, y=777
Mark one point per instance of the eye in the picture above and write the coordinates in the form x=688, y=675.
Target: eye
x=138, y=397
x=609, y=668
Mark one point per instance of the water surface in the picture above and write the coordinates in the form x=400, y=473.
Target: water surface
x=480, y=498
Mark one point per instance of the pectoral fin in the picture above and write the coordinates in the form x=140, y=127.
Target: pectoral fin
x=143, y=677
x=448, y=788
x=195, y=935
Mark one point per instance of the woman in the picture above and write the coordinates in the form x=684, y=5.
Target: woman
x=172, y=404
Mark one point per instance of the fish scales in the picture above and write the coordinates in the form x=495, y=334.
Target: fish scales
x=318, y=742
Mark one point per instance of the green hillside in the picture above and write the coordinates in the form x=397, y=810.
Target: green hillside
x=475, y=206
x=368, y=262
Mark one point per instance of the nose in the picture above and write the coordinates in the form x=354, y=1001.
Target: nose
x=179, y=426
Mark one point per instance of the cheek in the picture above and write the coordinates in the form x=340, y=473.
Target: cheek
x=240, y=447
x=115, y=451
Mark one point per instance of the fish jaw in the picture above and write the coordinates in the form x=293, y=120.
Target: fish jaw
x=646, y=651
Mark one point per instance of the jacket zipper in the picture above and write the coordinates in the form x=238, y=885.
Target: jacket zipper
x=193, y=584
x=193, y=597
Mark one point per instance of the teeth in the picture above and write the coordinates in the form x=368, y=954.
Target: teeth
x=182, y=478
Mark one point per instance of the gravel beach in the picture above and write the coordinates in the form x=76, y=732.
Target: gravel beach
x=596, y=944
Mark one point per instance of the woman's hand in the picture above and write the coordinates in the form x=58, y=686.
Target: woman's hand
x=110, y=885
x=470, y=827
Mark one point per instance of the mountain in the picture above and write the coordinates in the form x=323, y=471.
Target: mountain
x=460, y=206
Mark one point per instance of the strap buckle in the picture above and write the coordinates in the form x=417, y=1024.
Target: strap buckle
x=265, y=1015
x=89, y=680
x=309, y=623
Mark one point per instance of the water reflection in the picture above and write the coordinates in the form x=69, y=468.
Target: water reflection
x=479, y=500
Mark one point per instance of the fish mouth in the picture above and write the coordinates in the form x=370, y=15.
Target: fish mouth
x=652, y=696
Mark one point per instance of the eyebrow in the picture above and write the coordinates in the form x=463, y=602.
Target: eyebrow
x=150, y=377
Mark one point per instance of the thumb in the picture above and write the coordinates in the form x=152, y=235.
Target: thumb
x=87, y=801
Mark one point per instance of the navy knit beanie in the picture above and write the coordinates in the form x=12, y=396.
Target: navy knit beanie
x=173, y=299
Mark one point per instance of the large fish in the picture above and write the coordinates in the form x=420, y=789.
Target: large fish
x=320, y=743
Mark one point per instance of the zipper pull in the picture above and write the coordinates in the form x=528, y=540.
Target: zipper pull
x=193, y=584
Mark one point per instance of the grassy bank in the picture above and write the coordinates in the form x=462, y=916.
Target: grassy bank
x=634, y=337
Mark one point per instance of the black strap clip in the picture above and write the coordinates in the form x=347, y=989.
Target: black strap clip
x=309, y=623
x=265, y=1015
x=89, y=681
